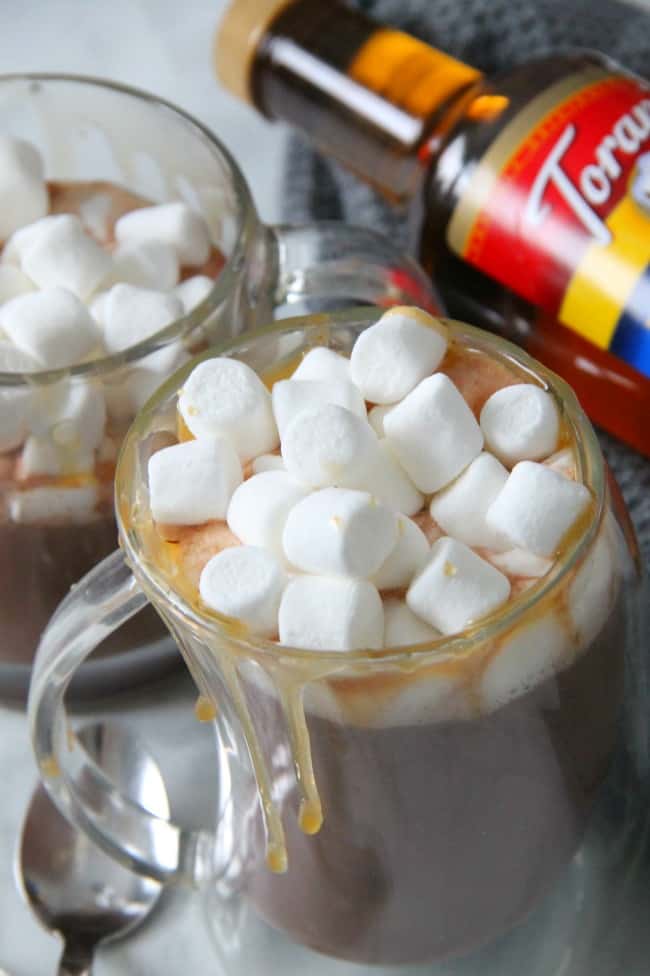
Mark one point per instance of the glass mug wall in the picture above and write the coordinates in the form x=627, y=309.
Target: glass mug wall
x=106, y=149
x=477, y=827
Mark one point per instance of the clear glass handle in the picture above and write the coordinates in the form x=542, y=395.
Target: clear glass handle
x=100, y=603
x=328, y=265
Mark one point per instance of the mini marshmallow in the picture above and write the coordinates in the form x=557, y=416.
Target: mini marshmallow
x=461, y=507
x=537, y=507
x=128, y=392
x=13, y=282
x=329, y=445
x=15, y=402
x=68, y=505
x=520, y=423
x=388, y=481
x=433, y=433
x=193, y=482
x=225, y=396
x=564, y=462
x=391, y=357
x=72, y=413
x=259, y=508
x=323, y=613
x=323, y=364
x=245, y=582
x=41, y=456
x=23, y=192
x=534, y=653
x=133, y=314
x=376, y=418
x=63, y=255
x=402, y=628
x=193, y=291
x=52, y=326
x=267, y=462
x=290, y=397
x=170, y=223
x=21, y=240
x=520, y=564
x=456, y=587
x=151, y=264
x=406, y=558
x=95, y=215
x=339, y=532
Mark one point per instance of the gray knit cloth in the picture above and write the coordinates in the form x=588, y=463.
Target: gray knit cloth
x=491, y=35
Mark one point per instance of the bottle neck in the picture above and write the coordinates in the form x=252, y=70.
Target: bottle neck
x=366, y=94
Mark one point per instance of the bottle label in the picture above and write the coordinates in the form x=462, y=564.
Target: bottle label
x=558, y=210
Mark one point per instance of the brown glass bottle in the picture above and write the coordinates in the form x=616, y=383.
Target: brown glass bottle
x=433, y=133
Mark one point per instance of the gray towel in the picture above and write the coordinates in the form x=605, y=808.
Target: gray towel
x=491, y=35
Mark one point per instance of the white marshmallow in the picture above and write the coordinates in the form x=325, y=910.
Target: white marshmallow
x=193, y=482
x=15, y=402
x=323, y=613
x=267, y=462
x=133, y=314
x=433, y=433
x=171, y=223
x=339, y=532
x=13, y=282
x=376, y=418
x=97, y=308
x=151, y=264
x=259, y=508
x=391, y=357
x=193, y=291
x=456, y=587
x=225, y=396
x=322, y=364
x=127, y=393
x=290, y=397
x=52, y=326
x=461, y=507
x=21, y=240
x=520, y=423
x=593, y=591
x=63, y=255
x=537, y=507
x=70, y=505
x=405, y=559
x=432, y=697
x=41, y=456
x=533, y=653
x=329, y=445
x=245, y=582
x=564, y=462
x=72, y=413
x=402, y=627
x=389, y=482
x=519, y=563
x=95, y=214
x=23, y=192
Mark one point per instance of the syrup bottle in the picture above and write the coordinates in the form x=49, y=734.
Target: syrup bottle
x=528, y=193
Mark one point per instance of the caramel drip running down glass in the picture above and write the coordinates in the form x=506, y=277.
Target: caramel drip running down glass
x=388, y=807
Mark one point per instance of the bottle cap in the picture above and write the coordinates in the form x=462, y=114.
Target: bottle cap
x=238, y=35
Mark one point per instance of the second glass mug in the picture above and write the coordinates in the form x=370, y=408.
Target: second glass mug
x=107, y=137
x=491, y=843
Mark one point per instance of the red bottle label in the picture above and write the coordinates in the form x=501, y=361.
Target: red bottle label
x=558, y=210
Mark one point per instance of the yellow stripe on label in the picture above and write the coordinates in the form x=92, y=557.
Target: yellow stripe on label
x=603, y=282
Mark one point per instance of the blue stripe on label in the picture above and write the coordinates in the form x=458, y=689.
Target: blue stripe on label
x=631, y=340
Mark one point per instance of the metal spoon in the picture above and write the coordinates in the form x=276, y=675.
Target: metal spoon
x=71, y=885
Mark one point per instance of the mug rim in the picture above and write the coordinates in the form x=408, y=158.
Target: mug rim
x=589, y=461
x=247, y=220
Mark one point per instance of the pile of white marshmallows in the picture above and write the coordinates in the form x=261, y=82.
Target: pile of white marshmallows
x=326, y=525
x=65, y=298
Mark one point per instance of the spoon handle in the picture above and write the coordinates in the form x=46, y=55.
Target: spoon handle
x=75, y=961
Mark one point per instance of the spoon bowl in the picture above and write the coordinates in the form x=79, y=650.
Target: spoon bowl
x=71, y=885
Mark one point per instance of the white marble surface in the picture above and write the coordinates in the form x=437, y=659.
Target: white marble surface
x=163, y=46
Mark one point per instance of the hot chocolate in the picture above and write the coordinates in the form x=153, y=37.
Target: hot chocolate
x=449, y=698
x=67, y=280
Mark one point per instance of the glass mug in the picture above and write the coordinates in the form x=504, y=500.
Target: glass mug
x=111, y=143
x=474, y=827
